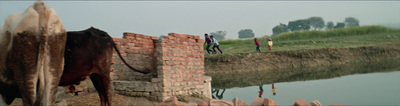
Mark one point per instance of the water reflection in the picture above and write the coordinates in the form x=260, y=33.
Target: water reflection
x=273, y=89
x=218, y=95
x=261, y=91
x=375, y=89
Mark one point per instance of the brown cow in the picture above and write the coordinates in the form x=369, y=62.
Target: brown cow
x=31, y=56
x=89, y=53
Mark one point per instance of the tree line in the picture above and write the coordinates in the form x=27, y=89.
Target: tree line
x=315, y=23
x=244, y=33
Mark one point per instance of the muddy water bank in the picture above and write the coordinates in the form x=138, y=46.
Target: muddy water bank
x=240, y=70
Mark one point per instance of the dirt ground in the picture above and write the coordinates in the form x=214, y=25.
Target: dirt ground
x=93, y=99
x=118, y=100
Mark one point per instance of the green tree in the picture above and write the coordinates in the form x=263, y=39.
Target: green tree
x=285, y=27
x=299, y=25
x=339, y=25
x=219, y=35
x=351, y=21
x=329, y=25
x=279, y=29
x=316, y=22
x=246, y=33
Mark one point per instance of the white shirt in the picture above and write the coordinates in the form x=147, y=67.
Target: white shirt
x=215, y=42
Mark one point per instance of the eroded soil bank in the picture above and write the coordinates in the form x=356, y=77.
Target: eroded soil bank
x=246, y=69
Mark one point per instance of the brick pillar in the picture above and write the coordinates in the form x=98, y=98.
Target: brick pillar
x=177, y=61
x=180, y=64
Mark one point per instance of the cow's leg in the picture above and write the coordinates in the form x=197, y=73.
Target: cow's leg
x=51, y=63
x=22, y=61
x=2, y=100
x=10, y=93
x=5, y=40
x=102, y=88
x=7, y=98
x=51, y=55
x=107, y=86
x=102, y=76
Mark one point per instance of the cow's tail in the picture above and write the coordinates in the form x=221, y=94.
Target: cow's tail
x=123, y=60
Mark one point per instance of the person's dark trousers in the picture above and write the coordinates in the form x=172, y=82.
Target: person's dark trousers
x=208, y=49
x=217, y=46
x=258, y=48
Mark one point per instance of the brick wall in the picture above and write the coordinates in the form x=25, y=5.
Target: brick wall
x=138, y=51
x=177, y=61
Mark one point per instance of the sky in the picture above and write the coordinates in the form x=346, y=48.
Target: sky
x=157, y=18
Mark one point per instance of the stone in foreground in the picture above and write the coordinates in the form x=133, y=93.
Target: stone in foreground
x=216, y=102
x=269, y=102
x=301, y=102
x=199, y=103
x=315, y=103
x=238, y=102
x=173, y=101
x=257, y=102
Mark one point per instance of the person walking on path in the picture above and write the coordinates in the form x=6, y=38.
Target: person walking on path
x=258, y=45
x=270, y=44
x=208, y=41
x=216, y=44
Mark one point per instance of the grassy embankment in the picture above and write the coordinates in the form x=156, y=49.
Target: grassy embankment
x=305, y=55
x=260, y=77
x=343, y=37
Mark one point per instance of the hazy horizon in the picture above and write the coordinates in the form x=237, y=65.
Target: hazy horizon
x=157, y=18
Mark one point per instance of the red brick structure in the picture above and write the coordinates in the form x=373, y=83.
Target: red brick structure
x=177, y=61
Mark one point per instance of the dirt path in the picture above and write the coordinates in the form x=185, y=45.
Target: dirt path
x=93, y=99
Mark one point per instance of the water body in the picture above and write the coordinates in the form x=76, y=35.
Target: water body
x=381, y=88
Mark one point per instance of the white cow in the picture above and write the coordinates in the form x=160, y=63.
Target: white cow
x=31, y=55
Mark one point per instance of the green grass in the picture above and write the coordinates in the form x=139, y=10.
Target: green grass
x=343, y=37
